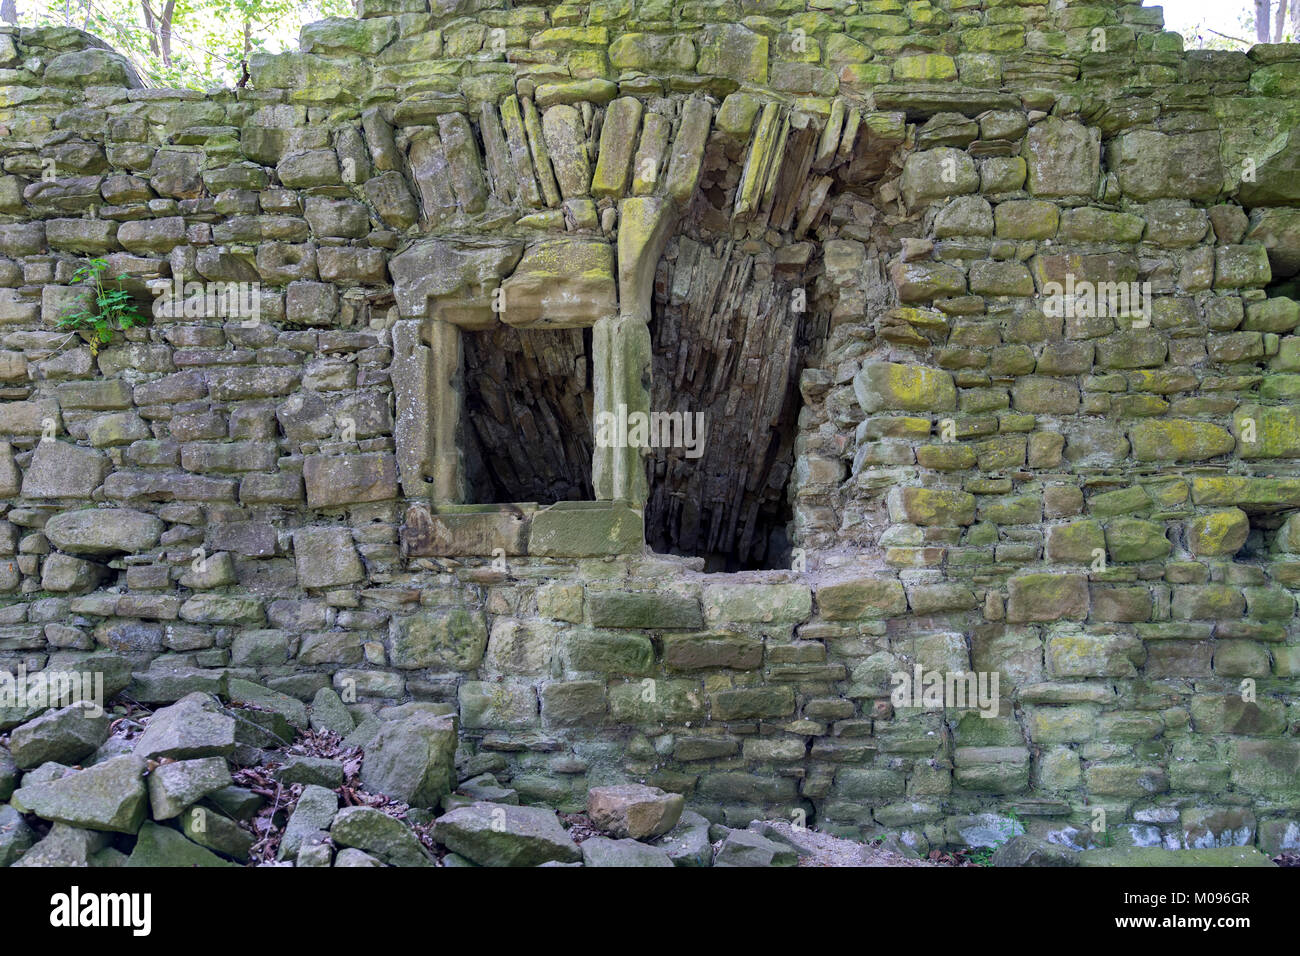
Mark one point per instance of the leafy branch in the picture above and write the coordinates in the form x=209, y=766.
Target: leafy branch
x=104, y=308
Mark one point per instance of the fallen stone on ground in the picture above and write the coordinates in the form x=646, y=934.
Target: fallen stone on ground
x=162, y=846
x=314, y=812
x=633, y=810
x=390, y=840
x=66, y=735
x=747, y=848
x=687, y=844
x=65, y=846
x=108, y=796
x=500, y=835
x=354, y=857
x=602, y=851
x=175, y=786
x=16, y=837
x=1025, y=850
x=412, y=759
x=194, y=726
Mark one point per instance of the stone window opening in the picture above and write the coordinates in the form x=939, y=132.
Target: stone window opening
x=694, y=305
x=508, y=354
x=729, y=343
x=526, y=430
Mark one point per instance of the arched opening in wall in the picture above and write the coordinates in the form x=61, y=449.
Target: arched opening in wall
x=744, y=298
x=1263, y=537
x=1279, y=230
x=730, y=334
x=526, y=430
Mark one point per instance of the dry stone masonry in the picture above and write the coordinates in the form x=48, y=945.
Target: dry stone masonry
x=988, y=307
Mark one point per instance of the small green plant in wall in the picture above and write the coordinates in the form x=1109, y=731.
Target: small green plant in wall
x=104, y=308
x=983, y=856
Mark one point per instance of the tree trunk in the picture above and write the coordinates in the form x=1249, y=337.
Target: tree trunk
x=1279, y=21
x=1261, y=20
x=159, y=26
x=165, y=31
x=9, y=11
x=150, y=24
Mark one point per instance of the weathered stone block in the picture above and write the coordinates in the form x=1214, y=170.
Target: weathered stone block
x=586, y=529
x=730, y=648
x=1047, y=597
x=561, y=284
x=861, y=598
x=644, y=609
x=440, y=638
x=890, y=386
x=326, y=557
x=931, y=506
x=336, y=480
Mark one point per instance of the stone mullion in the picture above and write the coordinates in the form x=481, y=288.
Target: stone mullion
x=446, y=380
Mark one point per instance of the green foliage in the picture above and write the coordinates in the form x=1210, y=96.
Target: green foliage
x=104, y=308
x=210, y=40
x=983, y=855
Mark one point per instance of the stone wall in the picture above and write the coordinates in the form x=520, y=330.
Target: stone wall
x=867, y=201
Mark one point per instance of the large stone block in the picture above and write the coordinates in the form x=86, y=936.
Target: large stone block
x=465, y=530
x=338, y=480
x=931, y=506
x=91, y=67
x=1064, y=158
x=326, y=558
x=62, y=470
x=858, y=598
x=938, y=174
x=618, y=653
x=890, y=386
x=586, y=529
x=108, y=796
x=65, y=736
x=452, y=281
x=440, y=638
x=644, y=609
x=1265, y=431
x=729, y=648
x=579, y=703
x=634, y=811
x=1152, y=165
x=734, y=52
x=497, y=706
x=1217, y=533
x=561, y=284
x=412, y=759
x=520, y=647
x=1179, y=440
x=758, y=603
x=101, y=531
x=1083, y=654
x=1047, y=597
x=501, y=835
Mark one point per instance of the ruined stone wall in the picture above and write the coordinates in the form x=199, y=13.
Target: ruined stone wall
x=864, y=202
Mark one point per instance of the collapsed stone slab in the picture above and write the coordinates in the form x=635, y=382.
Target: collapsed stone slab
x=503, y=835
x=634, y=811
x=108, y=796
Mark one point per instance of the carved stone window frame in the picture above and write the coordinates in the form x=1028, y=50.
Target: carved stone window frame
x=427, y=371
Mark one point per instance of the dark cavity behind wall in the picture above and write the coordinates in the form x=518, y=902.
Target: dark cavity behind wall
x=528, y=413
x=729, y=341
